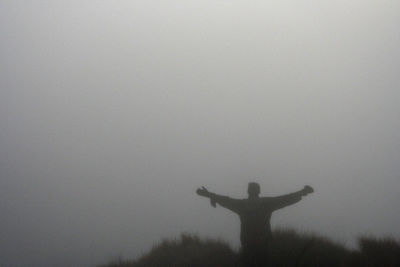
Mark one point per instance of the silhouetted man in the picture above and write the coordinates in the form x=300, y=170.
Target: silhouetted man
x=255, y=214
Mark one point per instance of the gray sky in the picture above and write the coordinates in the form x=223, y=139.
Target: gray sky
x=113, y=112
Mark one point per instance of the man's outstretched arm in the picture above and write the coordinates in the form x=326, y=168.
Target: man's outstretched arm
x=289, y=199
x=226, y=202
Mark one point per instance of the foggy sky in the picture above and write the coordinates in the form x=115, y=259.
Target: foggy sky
x=112, y=113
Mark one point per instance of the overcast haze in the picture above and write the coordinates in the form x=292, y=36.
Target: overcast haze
x=112, y=113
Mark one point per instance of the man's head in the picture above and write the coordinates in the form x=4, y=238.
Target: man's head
x=253, y=189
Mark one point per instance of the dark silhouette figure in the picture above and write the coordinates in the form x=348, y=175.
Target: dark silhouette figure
x=255, y=214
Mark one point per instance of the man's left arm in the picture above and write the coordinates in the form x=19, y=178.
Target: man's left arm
x=289, y=199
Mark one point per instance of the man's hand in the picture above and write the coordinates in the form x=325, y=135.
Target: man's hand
x=203, y=192
x=307, y=190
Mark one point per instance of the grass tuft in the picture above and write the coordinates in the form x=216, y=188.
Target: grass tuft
x=288, y=248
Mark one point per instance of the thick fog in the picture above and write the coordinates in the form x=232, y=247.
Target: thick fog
x=112, y=113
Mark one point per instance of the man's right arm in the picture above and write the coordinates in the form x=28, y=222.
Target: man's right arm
x=224, y=201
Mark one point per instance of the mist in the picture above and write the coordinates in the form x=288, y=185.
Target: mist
x=112, y=114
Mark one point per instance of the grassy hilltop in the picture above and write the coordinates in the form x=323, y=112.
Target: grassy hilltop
x=289, y=249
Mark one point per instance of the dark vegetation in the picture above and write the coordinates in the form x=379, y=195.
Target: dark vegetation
x=290, y=248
